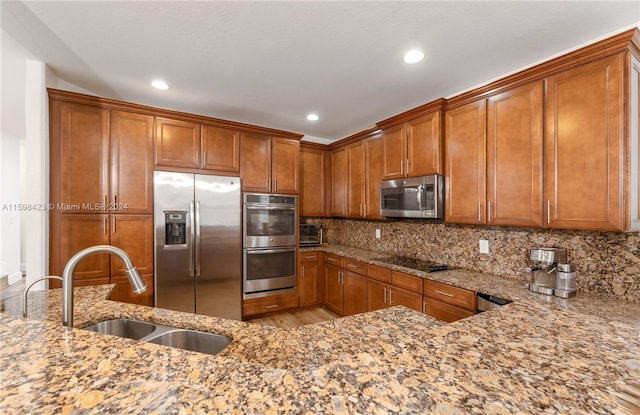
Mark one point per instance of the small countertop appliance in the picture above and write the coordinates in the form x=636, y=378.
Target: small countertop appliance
x=544, y=269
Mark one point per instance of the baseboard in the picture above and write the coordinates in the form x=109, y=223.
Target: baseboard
x=4, y=281
x=15, y=277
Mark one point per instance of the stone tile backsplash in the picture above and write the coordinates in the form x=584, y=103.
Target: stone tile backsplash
x=607, y=263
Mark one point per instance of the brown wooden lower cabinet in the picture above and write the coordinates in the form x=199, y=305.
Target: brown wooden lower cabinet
x=409, y=299
x=309, y=279
x=122, y=291
x=334, y=292
x=381, y=295
x=271, y=304
x=445, y=312
x=376, y=295
x=355, y=298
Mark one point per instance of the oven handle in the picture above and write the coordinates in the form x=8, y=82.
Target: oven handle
x=269, y=251
x=269, y=207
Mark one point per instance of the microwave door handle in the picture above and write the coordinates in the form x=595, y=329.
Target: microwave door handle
x=419, y=197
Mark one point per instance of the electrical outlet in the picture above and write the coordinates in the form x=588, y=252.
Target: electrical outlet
x=377, y=233
x=484, y=246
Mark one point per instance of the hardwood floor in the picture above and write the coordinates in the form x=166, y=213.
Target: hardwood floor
x=296, y=318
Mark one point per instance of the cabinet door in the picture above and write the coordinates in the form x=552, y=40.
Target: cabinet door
x=584, y=147
x=313, y=170
x=177, y=143
x=334, y=291
x=377, y=295
x=466, y=163
x=409, y=299
x=373, y=176
x=255, y=163
x=309, y=277
x=514, y=157
x=394, y=142
x=425, y=145
x=131, y=163
x=220, y=149
x=78, y=232
x=339, y=181
x=134, y=235
x=79, y=156
x=445, y=312
x=355, y=293
x=285, y=165
x=355, y=188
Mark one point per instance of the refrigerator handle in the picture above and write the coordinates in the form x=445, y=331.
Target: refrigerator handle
x=197, y=247
x=192, y=225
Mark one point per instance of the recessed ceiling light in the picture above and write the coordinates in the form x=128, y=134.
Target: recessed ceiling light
x=413, y=56
x=313, y=117
x=160, y=84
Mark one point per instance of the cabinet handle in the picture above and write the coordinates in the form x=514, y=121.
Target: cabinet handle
x=273, y=306
x=104, y=225
x=275, y=184
x=488, y=212
x=352, y=266
x=407, y=171
x=105, y=202
x=390, y=297
x=204, y=158
x=444, y=293
x=197, y=158
x=479, y=212
x=310, y=257
x=364, y=210
x=401, y=167
x=115, y=228
x=424, y=307
x=548, y=211
x=384, y=299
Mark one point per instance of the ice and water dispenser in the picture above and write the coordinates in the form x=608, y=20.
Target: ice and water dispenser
x=175, y=223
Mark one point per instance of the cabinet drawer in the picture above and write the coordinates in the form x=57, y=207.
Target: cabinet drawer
x=355, y=266
x=445, y=312
x=309, y=256
x=451, y=295
x=334, y=259
x=269, y=304
x=406, y=281
x=379, y=273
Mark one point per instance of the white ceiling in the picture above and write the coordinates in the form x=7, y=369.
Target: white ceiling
x=271, y=63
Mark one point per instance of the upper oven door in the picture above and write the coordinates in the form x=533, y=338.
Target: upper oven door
x=269, y=225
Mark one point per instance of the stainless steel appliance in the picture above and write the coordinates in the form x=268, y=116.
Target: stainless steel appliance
x=544, y=269
x=198, y=244
x=487, y=302
x=414, y=197
x=565, y=281
x=310, y=235
x=269, y=244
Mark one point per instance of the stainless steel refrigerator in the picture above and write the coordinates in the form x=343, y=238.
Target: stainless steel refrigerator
x=198, y=244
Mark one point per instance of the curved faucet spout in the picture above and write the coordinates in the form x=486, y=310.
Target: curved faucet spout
x=136, y=281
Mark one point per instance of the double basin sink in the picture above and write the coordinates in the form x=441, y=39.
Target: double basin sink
x=196, y=341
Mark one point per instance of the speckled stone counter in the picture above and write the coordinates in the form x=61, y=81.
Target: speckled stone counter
x=528, y=357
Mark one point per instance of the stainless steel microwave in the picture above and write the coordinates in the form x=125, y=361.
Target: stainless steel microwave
x=413, y=197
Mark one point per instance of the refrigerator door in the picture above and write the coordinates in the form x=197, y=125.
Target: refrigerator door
x=174, y=238
x=218, y=254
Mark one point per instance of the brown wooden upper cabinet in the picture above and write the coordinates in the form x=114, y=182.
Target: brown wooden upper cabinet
x=92, y=147
x=466, y=145
x=194, y=147
x=494, y=159
x=339, y=181
x=413, y=148
x=363, y=178
x=315, y=170
x=586, y=147
x=269, y=164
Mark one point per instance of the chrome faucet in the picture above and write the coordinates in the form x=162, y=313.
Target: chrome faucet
x=135, y=279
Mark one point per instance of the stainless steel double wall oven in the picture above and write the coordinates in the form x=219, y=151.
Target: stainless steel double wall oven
x=269, y=244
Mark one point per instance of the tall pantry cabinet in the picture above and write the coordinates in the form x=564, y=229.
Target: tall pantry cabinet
x=101, y=164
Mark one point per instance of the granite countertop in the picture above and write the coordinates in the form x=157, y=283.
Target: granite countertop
x=531, y=356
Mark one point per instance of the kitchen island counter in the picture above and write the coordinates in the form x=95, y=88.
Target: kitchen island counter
x=526, y=357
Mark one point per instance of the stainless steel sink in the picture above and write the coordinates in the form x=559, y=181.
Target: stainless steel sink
x=196, y=341
x=124, y=327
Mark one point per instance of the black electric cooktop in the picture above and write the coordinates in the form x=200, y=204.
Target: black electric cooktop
x=414, y=263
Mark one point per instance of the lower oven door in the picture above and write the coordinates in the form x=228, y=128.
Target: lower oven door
x=268, y=271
